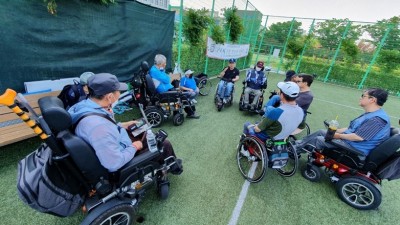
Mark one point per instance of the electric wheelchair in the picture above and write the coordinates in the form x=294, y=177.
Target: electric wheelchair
x=259, y=104
x=220, y=103
x=358, y=178
x=254, y=156
x=108, y=198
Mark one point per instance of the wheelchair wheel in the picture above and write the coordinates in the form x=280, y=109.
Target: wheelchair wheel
x=304, y=132
x=154, y=115
x=311, y=173
x=122, y=214
x=205, y=86
x=252, y=159
x=178, y=119
x=359, y=193
x=293, y=161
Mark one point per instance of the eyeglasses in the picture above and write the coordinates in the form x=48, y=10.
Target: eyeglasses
x=366, y=96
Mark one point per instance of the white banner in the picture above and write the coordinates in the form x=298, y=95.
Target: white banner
x=226, y=51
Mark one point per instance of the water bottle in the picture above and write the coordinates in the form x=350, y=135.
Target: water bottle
x=333, y=126
x=151, y=141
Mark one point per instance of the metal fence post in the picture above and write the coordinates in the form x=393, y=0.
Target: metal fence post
x=286, y=42
x=337, y=51
x=180, y=32
x=262, y=38
x=305, y=46
x=381, y=43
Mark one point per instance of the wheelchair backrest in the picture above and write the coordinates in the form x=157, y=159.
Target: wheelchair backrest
x=82, y=154
x=382, y=153
x=151, y=88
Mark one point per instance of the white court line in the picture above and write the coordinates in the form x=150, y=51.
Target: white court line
x=351, y=107
x=242, y=196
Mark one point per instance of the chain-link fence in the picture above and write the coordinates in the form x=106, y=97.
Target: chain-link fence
x=352, y=53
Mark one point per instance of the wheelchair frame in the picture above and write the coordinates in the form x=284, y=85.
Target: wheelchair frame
x=260, y=101
x=219, y=103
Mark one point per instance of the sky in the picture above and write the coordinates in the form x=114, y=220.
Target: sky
x=355, y=10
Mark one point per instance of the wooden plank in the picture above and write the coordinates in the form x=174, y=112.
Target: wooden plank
x=16, y=135
x=13, y=128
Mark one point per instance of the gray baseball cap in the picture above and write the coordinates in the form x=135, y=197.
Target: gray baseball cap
x=84, y=77
x=104, y=83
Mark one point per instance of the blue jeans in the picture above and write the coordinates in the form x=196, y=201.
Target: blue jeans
x=261, y=135
x=270, y=104
x=228, y=89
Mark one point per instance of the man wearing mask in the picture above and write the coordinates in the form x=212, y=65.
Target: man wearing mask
x=255, y=80
x=95, y=123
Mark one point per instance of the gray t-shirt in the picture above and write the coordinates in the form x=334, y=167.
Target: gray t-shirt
x=304, y=100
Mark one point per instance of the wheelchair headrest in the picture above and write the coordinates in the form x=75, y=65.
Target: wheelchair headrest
x=53, y=112
x=144, y=66
x=151, y=88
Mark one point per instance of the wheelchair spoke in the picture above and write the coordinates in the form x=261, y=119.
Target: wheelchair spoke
x=358, y=194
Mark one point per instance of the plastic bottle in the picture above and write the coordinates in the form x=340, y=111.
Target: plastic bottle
x=333, y=126
x=151, y=141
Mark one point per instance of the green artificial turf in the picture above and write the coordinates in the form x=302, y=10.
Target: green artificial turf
x=207, y=191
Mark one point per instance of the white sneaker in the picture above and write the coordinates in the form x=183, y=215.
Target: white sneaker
x=244, y=152
x=194, y=101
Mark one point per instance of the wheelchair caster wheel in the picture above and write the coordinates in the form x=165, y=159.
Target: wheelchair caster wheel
x=163, y=190
x=311, y=173
x=178, y=119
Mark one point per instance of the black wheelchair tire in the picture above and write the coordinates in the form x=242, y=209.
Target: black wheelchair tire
x=204, y=87
x=262, y=155
x=163, y=191
x=154, y=115
x=311, y=173
x=123, y=214
x=178, y=119
x=359, y=193
x=292, y=160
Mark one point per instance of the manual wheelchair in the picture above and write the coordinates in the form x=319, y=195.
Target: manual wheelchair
x=109, y=197
x=220, y=103
x=358, y=178
x=254, y=157
x=203, y=83
x=259, y=104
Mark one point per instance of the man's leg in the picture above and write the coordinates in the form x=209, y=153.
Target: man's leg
x=220, y=87
x=257, y=94
x=177, y=168
x=228, y=91
x=246, y=96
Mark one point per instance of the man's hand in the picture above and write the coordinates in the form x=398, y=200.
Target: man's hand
x=138, y=145
x=126, y=125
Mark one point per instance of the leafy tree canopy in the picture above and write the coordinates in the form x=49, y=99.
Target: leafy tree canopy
x=378, y=30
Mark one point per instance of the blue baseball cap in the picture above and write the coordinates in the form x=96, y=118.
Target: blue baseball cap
x=232, y=60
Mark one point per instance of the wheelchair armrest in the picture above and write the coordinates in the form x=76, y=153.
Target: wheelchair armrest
x=345, y=148
x=138, y=161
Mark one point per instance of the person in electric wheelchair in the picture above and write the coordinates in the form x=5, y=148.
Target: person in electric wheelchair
x=282, y=121
x=229, y=76
x=163, y=84
x=364, y=133
x=94, y=121
x=254, y=85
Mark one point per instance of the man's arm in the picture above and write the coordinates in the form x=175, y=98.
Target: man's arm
x=223, y=72
x=235, y=79
x=349, y=137
x=365, y=131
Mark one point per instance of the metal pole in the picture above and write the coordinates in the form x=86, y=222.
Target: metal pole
x=245, y=17
x=270, y=53
x=250, y=35
x=337, y=51
x=286, y=42
x=209, y=33
x=381, y=43
x=180, y=32
x=305, y=46
x=262, y=38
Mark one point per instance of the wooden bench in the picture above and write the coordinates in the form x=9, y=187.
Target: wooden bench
x=12, y=128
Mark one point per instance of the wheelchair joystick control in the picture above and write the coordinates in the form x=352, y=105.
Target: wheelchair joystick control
x=151, y=141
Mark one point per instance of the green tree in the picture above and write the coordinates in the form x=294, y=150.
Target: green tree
x=389, y=59
x=233, y=24
x=218, y=34
x=351, y=50
x=277, y=32
x=377, y=30
x=195, y=23
x=330, y=32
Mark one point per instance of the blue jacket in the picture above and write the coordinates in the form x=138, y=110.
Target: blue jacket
x=255, y=79
x=112, y=144
x=188, y=83
x=164, y=83
x=367, y=145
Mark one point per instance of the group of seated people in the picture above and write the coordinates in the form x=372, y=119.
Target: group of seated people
x=284, y=113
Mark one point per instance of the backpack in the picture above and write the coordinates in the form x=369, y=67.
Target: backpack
x=72, y=94
x=39, y=186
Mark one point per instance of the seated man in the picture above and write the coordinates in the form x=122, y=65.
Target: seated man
x=274, y=100
x=230, y=74
x=255, y=80
x=188, y=84
x=282, y=121
x=163, y=84
x=110, y=140
x=364, y=133
x=74, y=93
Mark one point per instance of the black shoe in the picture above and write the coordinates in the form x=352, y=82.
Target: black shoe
x=177, y=168
x=193, y=116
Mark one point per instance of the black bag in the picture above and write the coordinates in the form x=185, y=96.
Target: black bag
x=72, y=94
x=36, y=189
